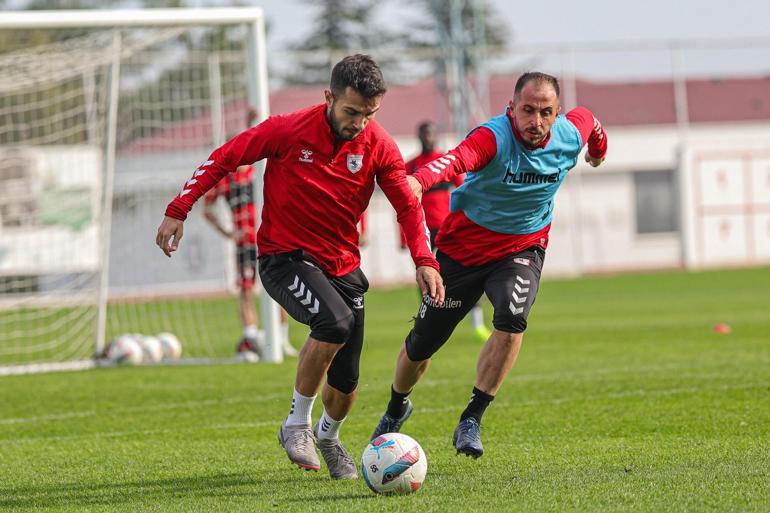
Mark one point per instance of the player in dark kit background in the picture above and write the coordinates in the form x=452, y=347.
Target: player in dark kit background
x=494, y=240
x=322, y=164
x=237, y=189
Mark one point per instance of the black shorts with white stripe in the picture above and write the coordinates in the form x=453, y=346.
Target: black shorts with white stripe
x=332, y=306
x=511, y=284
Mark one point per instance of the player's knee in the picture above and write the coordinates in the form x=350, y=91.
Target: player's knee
x=342, y=326
x=334, y=329
x=346, y=381
x=418, y=347
x=512, y=324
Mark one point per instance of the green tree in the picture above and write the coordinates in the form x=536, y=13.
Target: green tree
x=475, y=31
x=460, y=35
x=341, y=27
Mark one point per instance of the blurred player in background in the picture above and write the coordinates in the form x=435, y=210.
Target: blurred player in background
x=237, y=189
x=435, y=204
x=494, y=239
x=322, y=164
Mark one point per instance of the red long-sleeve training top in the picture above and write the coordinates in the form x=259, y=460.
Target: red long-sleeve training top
x=316, y=187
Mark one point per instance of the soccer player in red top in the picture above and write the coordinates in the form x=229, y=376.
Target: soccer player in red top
x=322, y=164
x=493, y=242
x=435, y=204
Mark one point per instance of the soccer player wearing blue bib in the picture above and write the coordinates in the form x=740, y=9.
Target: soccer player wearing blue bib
x=493, y=242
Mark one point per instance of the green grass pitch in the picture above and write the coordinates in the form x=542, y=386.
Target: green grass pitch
x=623, y=400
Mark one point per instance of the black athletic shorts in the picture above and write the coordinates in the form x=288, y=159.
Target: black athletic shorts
x=247, y=265
x=332, y=306
x=511, y=285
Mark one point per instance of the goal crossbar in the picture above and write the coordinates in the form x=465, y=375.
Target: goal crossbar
x=130, y=17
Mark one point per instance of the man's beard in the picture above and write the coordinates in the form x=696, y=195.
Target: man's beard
x=532, y=145
x=528, y=143
x=334, y=124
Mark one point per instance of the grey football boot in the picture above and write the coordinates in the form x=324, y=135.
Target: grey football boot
x=341, y=465
x=299, y=443
x=389, y=424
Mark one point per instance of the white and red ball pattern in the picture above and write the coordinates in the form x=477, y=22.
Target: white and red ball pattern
x=394, y=463
x=151, y=348
x=125, y=349
x=172, y=348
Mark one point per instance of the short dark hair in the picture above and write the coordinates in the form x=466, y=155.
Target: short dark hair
x=536, y=76
x=359, y=72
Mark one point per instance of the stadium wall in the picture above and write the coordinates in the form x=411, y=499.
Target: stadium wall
x=600, y=221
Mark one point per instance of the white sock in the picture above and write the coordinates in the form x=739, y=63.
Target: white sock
x=301, y=408
x=477, y=316
x=328, y=427
x=251, y=332
x=285, y=333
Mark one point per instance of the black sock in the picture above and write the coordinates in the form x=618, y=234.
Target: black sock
x=397, y=404
x=479, y=402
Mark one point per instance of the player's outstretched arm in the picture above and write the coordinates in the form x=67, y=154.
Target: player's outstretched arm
x=169, y=235
x=591, y=132
x=473, y=153
x=430, y=283
x=268, y=139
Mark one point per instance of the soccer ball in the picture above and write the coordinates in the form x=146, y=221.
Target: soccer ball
x=394, y=463
x=151, y=348
x=124, y=349
x=172, y=348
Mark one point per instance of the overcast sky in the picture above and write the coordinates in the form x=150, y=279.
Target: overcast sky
x=566, y=21
x=570, y=20
x=554, y=20
x=614, y=22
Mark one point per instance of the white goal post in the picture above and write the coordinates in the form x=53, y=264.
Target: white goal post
x=102, y=119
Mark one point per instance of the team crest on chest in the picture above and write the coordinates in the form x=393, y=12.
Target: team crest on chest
x=355, y=162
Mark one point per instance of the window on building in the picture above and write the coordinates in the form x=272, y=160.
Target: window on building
x=657, y=201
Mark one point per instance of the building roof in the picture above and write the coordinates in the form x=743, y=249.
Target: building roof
x=405, y=106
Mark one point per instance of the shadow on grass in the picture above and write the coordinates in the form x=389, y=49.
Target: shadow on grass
x=72, y=495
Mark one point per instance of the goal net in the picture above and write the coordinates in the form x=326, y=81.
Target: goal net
x=103, y=116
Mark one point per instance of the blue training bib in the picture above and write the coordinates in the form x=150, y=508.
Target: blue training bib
x=514, y=193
